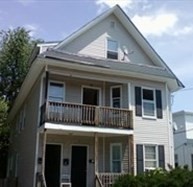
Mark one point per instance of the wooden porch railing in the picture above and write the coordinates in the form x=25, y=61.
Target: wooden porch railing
x=73, y=113
x=108, y=179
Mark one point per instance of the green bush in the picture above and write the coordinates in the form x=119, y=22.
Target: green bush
x=178, y=177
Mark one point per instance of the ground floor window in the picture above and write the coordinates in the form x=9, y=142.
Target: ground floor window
x=116, y=155
x=151, y=157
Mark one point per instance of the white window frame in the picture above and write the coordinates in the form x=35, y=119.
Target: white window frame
x=156, y=159
x=111, y=155
x=109, y=39
x=57, y=82
x=94, y=88
x=148, y=101
x=111, y=95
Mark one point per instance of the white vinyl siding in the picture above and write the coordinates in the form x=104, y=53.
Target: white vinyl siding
x=93, y=42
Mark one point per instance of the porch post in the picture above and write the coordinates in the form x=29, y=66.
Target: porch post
x=96, y=153
x=43, y=158
x=131, y=154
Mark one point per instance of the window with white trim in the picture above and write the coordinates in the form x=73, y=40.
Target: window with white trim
x=112, y=49
x=150, y=157
x=148, y=102
x=116, y=96
x=116, y=155
x=56, y=92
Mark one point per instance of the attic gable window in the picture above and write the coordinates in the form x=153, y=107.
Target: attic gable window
x=112, y=49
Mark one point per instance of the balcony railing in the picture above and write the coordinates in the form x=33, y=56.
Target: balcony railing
x=80, y=114
x=108, y=179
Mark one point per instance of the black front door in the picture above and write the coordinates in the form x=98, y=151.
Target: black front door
x=52, y=165
x=90, y=96
x=78, y=166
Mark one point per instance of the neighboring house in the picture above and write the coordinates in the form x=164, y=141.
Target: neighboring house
x=183, y=138
x=94, y=107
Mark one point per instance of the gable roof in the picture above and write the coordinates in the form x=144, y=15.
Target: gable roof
x=131, y=28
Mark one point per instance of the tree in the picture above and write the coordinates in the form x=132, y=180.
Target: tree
x=15, y=48
x=4, y=137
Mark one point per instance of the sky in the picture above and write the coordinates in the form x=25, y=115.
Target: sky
x=166, y=24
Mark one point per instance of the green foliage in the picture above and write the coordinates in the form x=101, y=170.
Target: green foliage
x=15, y=48
x=3, y=111
x=4, y=137
x=178, y=177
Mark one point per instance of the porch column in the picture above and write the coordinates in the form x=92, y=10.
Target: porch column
x=96, y=153
x=131, y=154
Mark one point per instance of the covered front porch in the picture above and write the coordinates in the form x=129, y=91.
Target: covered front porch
x=84, y=159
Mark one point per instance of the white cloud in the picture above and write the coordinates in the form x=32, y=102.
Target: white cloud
x=184, y=31
x=32, y=28
x=155, y=25
x=25, y=2
x=110, y=3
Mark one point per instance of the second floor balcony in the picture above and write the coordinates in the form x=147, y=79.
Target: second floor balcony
x=86, y=115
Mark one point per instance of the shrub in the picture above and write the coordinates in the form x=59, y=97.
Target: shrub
x=178, y=177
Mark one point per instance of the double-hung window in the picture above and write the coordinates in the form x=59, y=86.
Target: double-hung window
x=148, y=102
x=116, y=154
x=56, y=92
x=151, y=157
x=116, y=96
x=112, y=49
x=56, y=96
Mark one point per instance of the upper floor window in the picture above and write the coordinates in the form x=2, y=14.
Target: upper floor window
x=112, y=49
x=56, y=92
x=116, y=154
x=116, y=96
x=148, y=102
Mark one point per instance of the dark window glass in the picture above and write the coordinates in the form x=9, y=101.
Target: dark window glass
x=147, y=94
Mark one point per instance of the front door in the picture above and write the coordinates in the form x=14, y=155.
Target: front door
x=79, y=166
x=90, y=97
x=52, y=165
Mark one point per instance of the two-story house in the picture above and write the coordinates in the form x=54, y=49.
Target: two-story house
x=93, y=107
x=183, y=138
